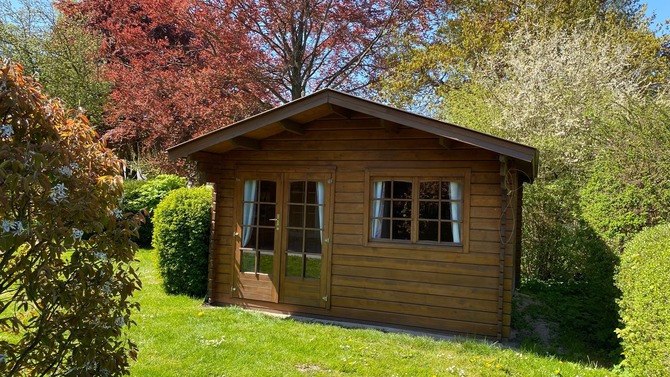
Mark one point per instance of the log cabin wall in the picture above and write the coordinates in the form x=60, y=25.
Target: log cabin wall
x=468, y=291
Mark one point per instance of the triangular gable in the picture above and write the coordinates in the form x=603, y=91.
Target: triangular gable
x=283, y=118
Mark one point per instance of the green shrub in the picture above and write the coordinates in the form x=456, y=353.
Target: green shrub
x=644, y=279
x=140, y=195
x=182, y=224
x=625, y=194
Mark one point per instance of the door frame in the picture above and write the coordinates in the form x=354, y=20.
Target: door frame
x=280, y=174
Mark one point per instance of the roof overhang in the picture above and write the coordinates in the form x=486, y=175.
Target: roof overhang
x=291, y=116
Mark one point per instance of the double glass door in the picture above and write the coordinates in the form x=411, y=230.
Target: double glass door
x=282, y=245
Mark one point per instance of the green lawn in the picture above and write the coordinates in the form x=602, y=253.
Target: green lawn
x=177, y=336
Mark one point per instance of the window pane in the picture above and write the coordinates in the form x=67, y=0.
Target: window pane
x=401, y=230
x=296, y=216
x=428, y=231
x=268, y=192
x=447, y=211
x=402, y=190
x=265, y=214
x=297, y=192
x=380, y=229
x=429, y=210
x=266, y=263
x=402, y=209
x=429, y=190
x=312, y=241
x=295, y=240
x=294, y=265
x=381, y=189
x=313, y=267
x=311, y=192
x=248, y=262
x=266, y=238
x=452, y=190
x=312, y=220
x=447, y=231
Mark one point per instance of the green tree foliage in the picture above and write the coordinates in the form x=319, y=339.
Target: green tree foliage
x=56, y=50
x=144, y=196
x=181, y=236
x=629, y=187
x=66, y=281
x=645, y=303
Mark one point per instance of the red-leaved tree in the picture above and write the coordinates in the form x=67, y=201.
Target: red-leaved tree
x=183, y=67
x=177, y=68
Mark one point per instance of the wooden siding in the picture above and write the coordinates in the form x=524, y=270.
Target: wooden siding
x=460, y=291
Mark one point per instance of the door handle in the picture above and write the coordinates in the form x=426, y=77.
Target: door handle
x=277, y=220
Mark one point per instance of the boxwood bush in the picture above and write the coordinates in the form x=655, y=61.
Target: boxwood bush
x=139, y=195
x=182, y=223
x=644, y=278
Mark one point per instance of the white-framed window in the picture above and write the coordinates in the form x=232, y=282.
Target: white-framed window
x=423, y=208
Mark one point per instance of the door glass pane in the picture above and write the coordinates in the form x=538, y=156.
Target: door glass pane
x=297, y=192
x=312, y=218
x=268, y=192
x=294, y=264
x=296, y=216
x=266, y=238
x=294, y=240
x=248, y=262
x=266, y=214
x=311, y=193
x=265, y=266
x=249, y=237
x=313, y=266
x=312, y=241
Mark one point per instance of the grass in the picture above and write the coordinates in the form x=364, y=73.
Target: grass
x=177, y=336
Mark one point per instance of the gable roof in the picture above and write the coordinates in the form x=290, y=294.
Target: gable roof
x=291, y=116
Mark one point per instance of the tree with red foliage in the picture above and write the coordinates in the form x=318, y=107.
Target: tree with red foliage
x=178, y=69
x=307, y=45
x=184, y=67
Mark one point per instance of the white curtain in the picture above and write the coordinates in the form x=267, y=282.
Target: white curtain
x=377, y=208
x=455, y=194
x=249, y=212
x=320, y=193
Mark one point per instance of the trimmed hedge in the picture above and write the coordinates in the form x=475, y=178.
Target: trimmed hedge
x=140, y=195
x=644, y=279
x=182, y=224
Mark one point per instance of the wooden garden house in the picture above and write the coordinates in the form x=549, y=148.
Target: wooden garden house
x=334, y=206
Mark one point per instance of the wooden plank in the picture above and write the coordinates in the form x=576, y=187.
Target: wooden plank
x=416, y=276
x=484, y=224
x=485, y=212
x=419, y=310
x=354, y=229
x=489, y=294
x=350, y=187
x=485, y=189
x=485, y=200
x=353, y=208
x=417, y=265
x=484, y=247
x=488, y=178
x=411, y=254
x=347, y=239
x=341, y=197
x=414, y=298
x=349, y=218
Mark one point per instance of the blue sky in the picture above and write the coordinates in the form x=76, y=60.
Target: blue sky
x=662, y=8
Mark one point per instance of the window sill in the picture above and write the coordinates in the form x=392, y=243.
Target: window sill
x=450, y=247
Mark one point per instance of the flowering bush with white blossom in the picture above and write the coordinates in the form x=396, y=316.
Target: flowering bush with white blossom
x=66, y=282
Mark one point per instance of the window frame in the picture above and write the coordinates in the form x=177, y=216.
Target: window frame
x=416, y=176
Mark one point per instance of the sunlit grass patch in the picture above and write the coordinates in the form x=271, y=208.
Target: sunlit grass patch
x=178, y=336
